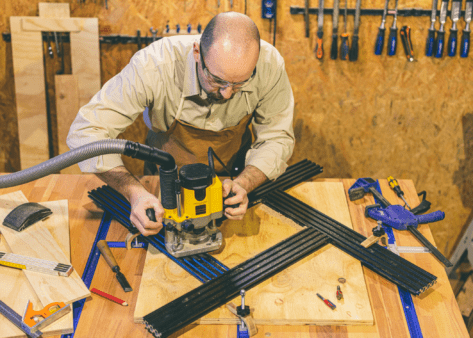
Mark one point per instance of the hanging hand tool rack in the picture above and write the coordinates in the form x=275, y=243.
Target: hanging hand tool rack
x=370, y=11
x=108, y=39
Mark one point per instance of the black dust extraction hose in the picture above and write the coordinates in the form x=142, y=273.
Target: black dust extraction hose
x=168, y=168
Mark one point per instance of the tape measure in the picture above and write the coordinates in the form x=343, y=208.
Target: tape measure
x=35, y=264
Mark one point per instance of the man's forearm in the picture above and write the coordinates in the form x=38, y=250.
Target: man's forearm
x=121, y=180
x=250, y=178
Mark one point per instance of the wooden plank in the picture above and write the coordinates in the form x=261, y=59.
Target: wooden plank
x=16, y=289
x=85, y=59
x=67, y=106
x=30, y=94
x=37, y=241
x=441, y=297
x=54, y=10
x=289, y=298
x=37, y=24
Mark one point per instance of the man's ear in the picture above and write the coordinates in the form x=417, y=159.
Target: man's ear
x=196, y=52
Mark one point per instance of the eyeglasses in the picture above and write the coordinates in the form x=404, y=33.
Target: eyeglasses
x=218, y=82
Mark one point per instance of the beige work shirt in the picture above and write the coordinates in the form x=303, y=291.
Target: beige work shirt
x=153, y=84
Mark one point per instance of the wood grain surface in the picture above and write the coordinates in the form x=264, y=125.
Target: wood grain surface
x=36, y=241
x=438, y=313
x=30, y=94
x=288, y=298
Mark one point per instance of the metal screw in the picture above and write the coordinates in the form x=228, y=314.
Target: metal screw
x=242, y=293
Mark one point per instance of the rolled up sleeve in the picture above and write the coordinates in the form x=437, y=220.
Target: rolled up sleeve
x=120, y=101
x=273, y=127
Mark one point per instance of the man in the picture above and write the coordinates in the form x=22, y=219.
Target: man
x=196, y=92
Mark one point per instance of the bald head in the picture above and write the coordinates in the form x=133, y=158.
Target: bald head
x=237, y=28
x=230, y=45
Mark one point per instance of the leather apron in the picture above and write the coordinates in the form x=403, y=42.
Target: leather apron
x=189, y=144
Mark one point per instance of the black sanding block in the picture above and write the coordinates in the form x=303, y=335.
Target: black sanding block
x=25, y=215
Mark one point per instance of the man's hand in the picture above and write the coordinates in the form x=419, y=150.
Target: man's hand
x=140, y=202
x=140, y=199
x=248, y=180
x=240, y=198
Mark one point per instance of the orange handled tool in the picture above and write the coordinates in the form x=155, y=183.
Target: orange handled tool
x=36, y=320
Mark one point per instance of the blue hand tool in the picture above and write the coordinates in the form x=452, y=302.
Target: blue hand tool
x=363, y=186
x=399, y=218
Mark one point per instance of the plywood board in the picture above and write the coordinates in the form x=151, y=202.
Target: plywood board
x=54, y=10
x=85, y=59
x=30, y=94
x=67, y=106
x=37, y=241
x=16, y=289
x=289, y=298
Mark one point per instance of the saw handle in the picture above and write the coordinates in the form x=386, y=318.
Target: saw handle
x=107, y=253
x=431, y=217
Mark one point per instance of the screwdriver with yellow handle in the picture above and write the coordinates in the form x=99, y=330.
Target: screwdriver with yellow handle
x=397, y=189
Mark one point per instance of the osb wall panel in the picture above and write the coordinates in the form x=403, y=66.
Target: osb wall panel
x=376, y=117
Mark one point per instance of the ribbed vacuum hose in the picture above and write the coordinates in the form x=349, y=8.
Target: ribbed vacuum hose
x=85, y=152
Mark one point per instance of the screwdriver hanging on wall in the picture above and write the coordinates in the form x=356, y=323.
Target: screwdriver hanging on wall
x=378, y=47
x=439, y=42
x=393, y=34
x=319, y=45
x=429, y=46
x=334, y=49
x=344, y=46
x=354, y=41
x=407, y=42
x=455, y=16
x=465, y=43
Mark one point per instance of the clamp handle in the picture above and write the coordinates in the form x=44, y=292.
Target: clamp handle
x=431, y=217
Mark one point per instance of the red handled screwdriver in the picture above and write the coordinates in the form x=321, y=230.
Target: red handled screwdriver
x=327, y=302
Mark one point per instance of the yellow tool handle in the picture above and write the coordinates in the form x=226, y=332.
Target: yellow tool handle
x=392, y=182
x=107, y=253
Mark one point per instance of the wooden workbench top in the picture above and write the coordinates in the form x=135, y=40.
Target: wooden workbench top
x=436, y=309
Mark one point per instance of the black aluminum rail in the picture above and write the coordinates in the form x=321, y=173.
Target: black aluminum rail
x=219, y=291
x=392, y=267
x=294, y=175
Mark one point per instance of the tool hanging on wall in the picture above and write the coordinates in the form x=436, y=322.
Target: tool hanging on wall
x=378, y=47
x=319, y=45
x=154, y=32
x=138, y=39
x=354, y=40
x=407, y=44
x=334, y=49
x=439, y=42
x=306, y=18
x=392, y=45
x=344, y=48
x=465, y=43
x=455, y=16
x=429, y=46
x=50, y=48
